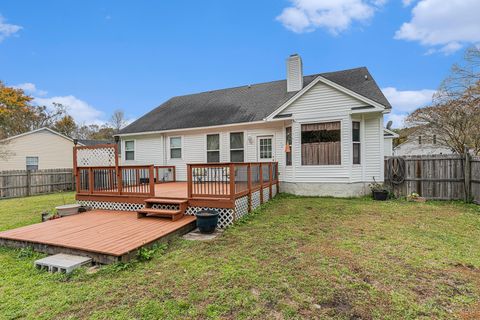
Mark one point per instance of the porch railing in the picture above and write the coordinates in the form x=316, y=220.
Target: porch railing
x=121, y=180
x=229, y=180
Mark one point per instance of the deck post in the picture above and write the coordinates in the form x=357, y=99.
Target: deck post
x=260, y=167
x=90, y=180
x=278, y=182
x=270, y=180
x=249, y=179
x=119, y=180
x=174, y=174
x=232, y=181
x=151, y=180
x=189, y=180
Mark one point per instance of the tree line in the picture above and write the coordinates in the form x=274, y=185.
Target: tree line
x=18, y=114
x=454, y=115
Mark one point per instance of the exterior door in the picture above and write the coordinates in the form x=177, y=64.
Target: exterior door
x=265, y=152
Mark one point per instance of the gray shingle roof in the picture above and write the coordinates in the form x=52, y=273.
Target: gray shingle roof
x=243, y=104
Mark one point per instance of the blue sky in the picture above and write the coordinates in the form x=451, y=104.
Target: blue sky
x=98, y=56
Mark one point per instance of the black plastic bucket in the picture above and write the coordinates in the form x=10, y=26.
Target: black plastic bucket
x=207, y=220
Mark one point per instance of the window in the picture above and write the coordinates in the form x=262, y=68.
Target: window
x=434, y=139
x=236, y=147
x=175, y=147
x=321, y=143
x=130, y=150
x=356, y=141
x=213, y=148
x=265, y=148
x=419, y=139
x=288, y=146
x=32, y=163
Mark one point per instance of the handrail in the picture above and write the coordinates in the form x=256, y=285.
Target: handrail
x=116, y=180
x=229, y=180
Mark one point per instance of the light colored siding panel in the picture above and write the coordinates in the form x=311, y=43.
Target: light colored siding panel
x=52, y=150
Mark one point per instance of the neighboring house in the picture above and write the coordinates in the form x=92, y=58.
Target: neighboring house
x=325, y=130
x=389, y=135
x=417, y=144
x=39, y=149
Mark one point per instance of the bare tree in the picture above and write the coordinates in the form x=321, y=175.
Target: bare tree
x=118, y=121
x=454, y=116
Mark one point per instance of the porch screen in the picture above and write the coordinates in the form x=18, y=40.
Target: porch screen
x=321, y=143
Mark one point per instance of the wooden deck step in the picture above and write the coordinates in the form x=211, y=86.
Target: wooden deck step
x=166, y=201
x=173, y=214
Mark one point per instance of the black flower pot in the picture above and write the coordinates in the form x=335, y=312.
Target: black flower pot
x=380, y=195
x=207, y=220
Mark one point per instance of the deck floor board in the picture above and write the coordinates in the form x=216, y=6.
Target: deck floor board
x=102, y=231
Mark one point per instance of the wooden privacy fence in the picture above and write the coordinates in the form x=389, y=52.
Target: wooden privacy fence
x=440, y=177
x=23, y=183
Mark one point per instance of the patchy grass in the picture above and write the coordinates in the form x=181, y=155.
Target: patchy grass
x=294, y=258
x=19, y=212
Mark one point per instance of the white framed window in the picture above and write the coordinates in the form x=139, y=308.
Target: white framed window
x=265, y=148
x=175, y=147
x=130, y=150
x=32, y=163
x=356, y=142
x=288, y=146
x=213, y=147
x=237, y=153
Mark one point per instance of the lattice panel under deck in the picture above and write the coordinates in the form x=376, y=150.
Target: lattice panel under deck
x=166, y=206
x=98, y=157
x=120, y=206
x=255, y=199
x=274, y=190
x=266, y=194
x=225, y=217
x=241, y=207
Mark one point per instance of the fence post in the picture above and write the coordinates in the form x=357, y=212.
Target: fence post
x=29, y=183
x=468, y=176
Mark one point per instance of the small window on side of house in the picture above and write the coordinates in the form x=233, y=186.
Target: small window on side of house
x=175, y=147
x=288, y=145
x=130, y=150
x=419, y=139
x=213, y=148
x=32, y=163
x=356, y=142
x=236, y=147
x=434, y=139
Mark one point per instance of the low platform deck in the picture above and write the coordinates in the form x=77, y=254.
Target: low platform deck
x=105, y=236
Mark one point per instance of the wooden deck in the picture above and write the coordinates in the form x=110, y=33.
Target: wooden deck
x=105, y=236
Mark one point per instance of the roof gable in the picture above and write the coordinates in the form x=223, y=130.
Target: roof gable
x=36, y=131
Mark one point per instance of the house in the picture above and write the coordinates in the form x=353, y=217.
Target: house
x=389, y=135
x=418, y=143
x=39, y=149
x=325, y=130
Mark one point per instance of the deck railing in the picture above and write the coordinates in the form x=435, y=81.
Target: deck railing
x=229, y=180
x=118, y=180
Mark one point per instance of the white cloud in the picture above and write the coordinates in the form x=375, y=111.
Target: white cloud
x=80, y=110
x=408, y=100
x=404, y=102
x=406, y=3
x=7, y=30
x=443, y=26
x=334, y=15
x=30, y=88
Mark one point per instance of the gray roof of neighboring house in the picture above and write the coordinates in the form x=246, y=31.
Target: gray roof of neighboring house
x=243, y=104
x=89, y=143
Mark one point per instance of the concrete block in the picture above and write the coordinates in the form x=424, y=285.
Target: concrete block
x=61, y=262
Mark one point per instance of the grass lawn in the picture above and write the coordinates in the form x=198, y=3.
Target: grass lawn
x=294, y=258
